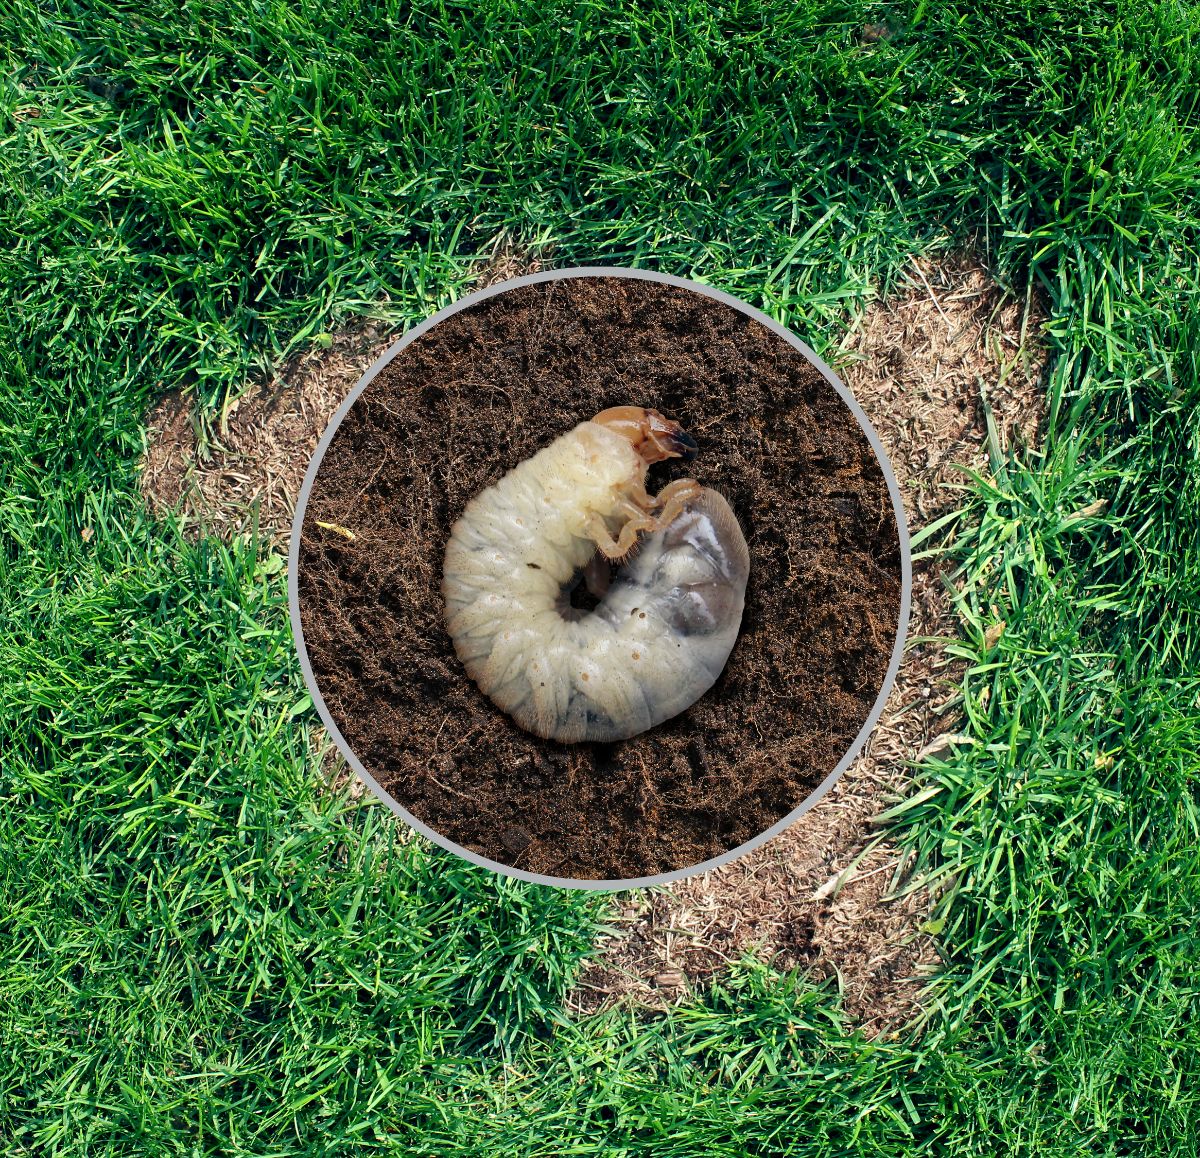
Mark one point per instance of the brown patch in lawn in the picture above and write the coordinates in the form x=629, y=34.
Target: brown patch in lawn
x=828, y=893
x=254, y=465
x=915, y=364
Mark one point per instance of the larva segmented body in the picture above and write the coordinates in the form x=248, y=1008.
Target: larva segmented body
x=666, y=623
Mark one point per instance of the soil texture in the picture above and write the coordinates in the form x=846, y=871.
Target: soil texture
x=478, y=394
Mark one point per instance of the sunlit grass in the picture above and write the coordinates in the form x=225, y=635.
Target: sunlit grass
x=201, y=951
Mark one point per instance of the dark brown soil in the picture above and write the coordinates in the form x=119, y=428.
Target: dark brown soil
x=470, y=400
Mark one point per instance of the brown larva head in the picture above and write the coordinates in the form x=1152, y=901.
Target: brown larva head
x=653, y=435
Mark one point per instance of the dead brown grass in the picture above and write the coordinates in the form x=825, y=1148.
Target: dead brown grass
x=253, y=468
x=818, y=895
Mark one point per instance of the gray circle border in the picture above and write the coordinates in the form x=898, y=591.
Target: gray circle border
x=696, y=287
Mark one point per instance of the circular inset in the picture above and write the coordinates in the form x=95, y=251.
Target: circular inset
x=482, y=387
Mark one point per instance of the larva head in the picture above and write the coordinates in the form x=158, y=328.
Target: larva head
x=653, y=435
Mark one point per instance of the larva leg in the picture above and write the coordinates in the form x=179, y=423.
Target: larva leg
x=619, y=547
x=674, y=497
x=638, y=500
x=637, y=496
x=598, y=532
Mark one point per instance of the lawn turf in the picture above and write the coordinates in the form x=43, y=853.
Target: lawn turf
x=203, y=953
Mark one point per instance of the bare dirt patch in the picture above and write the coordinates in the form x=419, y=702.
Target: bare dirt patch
x=828, y=894
x=916, y=364
x=252, y=469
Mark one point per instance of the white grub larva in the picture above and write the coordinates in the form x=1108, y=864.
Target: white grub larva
x=665, y=623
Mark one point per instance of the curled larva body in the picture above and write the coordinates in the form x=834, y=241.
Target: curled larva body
x=665, y=624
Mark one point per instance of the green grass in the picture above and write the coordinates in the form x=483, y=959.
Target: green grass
x=202, y=952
